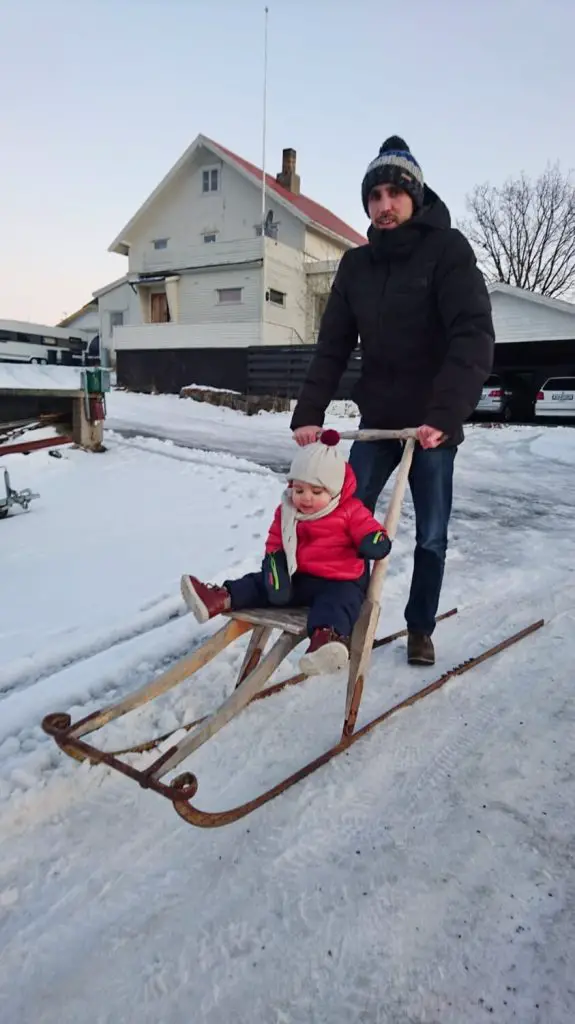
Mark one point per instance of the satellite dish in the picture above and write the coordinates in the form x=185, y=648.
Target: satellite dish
x=269, y=222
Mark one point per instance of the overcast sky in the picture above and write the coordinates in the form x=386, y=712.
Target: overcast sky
x=101, y=97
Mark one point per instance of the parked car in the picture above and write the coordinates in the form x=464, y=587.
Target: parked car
x=556, y=398
x=495, y=399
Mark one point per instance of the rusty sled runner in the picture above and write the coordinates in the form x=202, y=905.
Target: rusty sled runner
x=258, y=666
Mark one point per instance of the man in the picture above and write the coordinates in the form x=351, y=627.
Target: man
x=419, y=304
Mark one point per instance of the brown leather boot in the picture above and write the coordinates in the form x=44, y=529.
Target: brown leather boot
x=420, y=649
x=204, y=599
x=327, y=652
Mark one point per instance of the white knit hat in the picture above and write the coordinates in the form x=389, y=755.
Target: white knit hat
x=320, y=464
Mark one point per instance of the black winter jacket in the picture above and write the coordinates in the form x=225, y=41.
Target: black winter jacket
x=420, y=306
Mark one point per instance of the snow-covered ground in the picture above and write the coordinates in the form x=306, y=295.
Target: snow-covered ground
x=426, y=876
x=20, y=376
x=204, y=426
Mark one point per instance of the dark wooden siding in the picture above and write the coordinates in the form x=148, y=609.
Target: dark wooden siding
x=280, y=370
x=169, y=370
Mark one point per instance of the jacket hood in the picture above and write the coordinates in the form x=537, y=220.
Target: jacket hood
x=434, y=212
x=349, y=484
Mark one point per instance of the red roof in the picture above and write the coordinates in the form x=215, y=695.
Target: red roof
x=308, y=207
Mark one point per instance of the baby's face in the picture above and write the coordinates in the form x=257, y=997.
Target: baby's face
x=307, y=498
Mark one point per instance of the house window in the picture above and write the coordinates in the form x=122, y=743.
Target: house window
x=320, y=304
x=160, y=243
x=226, y=295
x=276, y=298
x=209, y=236
x=210, y=179
x=116, y=319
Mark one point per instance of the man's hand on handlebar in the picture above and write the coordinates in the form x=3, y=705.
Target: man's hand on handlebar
x=306, y=435
x=429, y=437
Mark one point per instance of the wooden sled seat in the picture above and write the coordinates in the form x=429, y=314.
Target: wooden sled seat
x=289, y=620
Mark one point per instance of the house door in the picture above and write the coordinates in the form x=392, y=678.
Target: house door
x=159, y=312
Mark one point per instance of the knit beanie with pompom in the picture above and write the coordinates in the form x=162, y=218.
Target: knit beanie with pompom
x=320, y=464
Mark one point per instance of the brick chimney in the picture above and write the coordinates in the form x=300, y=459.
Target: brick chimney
x=288, y=177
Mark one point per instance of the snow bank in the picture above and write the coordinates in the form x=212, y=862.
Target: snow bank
x=37, y=377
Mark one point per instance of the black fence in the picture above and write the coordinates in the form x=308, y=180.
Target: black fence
x=167, y=371
x=281, y=370
x=277, y=370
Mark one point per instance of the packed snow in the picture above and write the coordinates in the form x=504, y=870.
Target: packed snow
x=427, y=875
x=29, y=377
x=215, y=428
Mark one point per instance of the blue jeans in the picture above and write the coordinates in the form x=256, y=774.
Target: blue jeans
x=431, y=485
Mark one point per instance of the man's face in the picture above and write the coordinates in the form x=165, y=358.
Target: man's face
x=389, y=206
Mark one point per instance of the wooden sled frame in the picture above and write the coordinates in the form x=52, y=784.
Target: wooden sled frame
x=258, y=666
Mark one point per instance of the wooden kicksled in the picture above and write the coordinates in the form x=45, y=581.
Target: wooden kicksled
x=259, y=664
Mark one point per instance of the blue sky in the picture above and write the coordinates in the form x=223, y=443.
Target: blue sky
x=101, y=97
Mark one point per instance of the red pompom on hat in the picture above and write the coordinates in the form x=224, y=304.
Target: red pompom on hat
x=329, y=437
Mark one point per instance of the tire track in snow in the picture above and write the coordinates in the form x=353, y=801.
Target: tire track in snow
x=91, y=888
x=214, y=458
x=26, y=671
x=90, y=684
x=464, y=716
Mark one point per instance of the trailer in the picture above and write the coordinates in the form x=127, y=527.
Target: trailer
x=11, y=497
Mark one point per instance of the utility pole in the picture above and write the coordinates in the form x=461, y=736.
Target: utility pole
x=264, y=125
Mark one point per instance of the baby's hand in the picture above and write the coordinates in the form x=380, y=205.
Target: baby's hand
x=375, y=545
x=276, y=578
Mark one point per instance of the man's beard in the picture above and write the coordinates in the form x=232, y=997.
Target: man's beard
x=385, y=223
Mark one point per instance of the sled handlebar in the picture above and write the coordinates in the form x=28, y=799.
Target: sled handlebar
x=376, y=435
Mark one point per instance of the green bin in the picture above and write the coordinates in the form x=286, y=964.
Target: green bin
x=97, y=380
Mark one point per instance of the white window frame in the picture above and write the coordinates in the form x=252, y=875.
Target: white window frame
x=160, y=243
x=214, y=168
x=283, y=295
x=115, y=313
x=229, y=302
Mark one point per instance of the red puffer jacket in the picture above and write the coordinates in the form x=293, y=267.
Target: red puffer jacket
x=328, y=547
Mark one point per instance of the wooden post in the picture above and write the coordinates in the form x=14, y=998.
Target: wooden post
x=86, y=435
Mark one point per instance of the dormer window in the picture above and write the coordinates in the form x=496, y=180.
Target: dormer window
x=210, y=180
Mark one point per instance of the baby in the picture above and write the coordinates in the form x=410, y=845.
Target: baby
x=315, y=556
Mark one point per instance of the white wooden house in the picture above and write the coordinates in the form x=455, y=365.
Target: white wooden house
x=118, y=304
x=199, y=264
x=85, y=319
x=205, y=285
x=523, y=316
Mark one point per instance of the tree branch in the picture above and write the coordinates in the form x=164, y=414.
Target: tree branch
x=523, y=232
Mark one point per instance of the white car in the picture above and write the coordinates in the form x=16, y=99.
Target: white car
x=556, y=398
x=495, y=399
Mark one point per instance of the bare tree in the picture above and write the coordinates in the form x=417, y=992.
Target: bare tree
x=524, y=232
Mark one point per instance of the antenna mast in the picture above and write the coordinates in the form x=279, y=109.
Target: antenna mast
x=264, y=125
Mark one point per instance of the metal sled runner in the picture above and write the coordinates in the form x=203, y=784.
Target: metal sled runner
x=258, y=666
